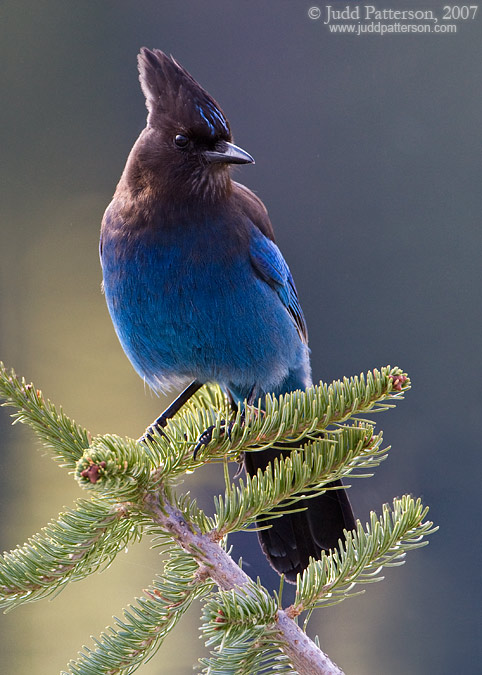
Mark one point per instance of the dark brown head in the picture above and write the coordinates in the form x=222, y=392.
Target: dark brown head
x=185, y=151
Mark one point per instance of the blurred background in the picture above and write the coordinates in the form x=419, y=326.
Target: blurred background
x=368, y=157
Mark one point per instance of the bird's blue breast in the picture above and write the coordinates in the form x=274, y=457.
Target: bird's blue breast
x=186, y=302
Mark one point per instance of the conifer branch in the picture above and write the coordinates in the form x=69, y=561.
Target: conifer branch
x=339, y=453
x=132, y=486
x=295, y=418
x=383, y=543
x=305, y=657
x=80, y=542
x=298, y=415
x=121, y=649
x=62, y=436
x=240, y=628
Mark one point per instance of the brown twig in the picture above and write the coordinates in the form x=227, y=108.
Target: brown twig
x=305, y=657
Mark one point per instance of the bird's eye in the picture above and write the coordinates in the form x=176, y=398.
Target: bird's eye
x=181, y=141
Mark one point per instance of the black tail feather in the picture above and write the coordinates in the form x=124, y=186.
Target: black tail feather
x=295, y=537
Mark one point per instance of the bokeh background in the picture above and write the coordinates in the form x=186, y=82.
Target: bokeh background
x=368, y=156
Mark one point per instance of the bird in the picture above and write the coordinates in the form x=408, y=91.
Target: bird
x=198, y=291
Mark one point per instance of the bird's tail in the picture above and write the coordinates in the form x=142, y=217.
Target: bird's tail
x=295, y=537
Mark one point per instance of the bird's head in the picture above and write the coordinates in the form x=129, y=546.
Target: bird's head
x=186, y=148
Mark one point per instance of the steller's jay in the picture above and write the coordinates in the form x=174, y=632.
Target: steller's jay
x=198, y=290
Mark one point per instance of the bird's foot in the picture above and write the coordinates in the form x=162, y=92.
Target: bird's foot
x=170, y=411
x=204, y=439
x=150, y=432
x=207, y=435
x=240, y=461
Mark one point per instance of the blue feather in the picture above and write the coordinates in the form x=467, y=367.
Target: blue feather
x=210, y=124
x=271, y=266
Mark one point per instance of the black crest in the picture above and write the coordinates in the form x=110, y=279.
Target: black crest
x=173, y=95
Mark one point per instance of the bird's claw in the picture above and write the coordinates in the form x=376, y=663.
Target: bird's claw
x=204, y=439
x=240, y=461
x=150, y=432
x=207, y=435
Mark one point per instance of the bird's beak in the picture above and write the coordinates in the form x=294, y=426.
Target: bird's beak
x=228, y=153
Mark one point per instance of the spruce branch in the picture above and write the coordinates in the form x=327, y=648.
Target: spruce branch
x=240, y=629
x=383, y=543
x=302, y=415
x=136, y=637
x=339, y=453
x=294, y=418
x=305, y=657
x=323, y=436
x=62, y=436
x=80, y=542
x=120, y=468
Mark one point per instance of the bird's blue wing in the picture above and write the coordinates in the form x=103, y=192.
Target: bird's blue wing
x=270, y=265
